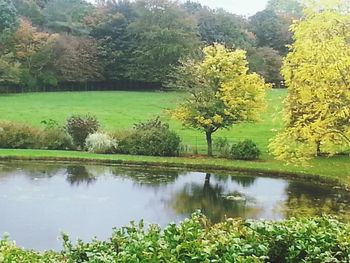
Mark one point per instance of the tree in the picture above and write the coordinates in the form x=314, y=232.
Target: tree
x=67, y=16
x=266, y=62
x=219, y=26
x=109, y=23
x=34, y=50
x=221, y=91
x=317, y=73
x=286, y=7
x=8, y=15
x=9, y=71
x=30, y=10
x=78, y=59
x=162, y=33
x=271, y=30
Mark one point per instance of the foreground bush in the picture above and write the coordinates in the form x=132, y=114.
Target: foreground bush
x=152, y=138
x=79, y=127
x=245, y=150
x=194, y=240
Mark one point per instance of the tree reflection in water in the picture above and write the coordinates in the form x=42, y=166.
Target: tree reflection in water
x=77, y=175
x=310, y=199
x=212, y=200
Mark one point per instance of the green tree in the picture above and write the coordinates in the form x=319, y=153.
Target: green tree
x=9, y=71
x=286, y=7
x=162, y=33
x=219, y=26
x=30, y=10
x=317, y=73
x=8, y=15
x=77, y=60
x=221, y=91
x=271, y=30
x=109, y=23
x=266, y=62
x=67, y=16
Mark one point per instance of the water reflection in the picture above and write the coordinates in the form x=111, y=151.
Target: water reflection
x=38, y=200
x=213, y=201
x=77, y=175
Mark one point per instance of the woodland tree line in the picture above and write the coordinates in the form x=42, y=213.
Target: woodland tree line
x=45, y=42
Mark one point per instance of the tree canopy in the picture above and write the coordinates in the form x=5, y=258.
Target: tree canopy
x=317, y=73
x=221, y=91
x=140, y=40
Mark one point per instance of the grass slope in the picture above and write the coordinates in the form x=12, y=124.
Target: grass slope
x=121, y=109
x=118, y=109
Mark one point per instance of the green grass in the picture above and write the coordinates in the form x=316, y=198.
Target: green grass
x=118, y=110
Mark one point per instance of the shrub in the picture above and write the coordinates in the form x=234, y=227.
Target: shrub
x=152, y=138
x=79, y=127
x=56, y=139
x=100, y=143
x=320, y=239
x=245, y=150
x=222, y=146
x=19, y=136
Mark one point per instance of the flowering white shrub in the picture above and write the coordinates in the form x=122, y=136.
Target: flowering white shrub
x=100, y=143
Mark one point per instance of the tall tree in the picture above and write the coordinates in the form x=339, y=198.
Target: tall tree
x=162, y=33
x=266, y=62
x=67, y=16
x=271, y=30
x=78, y=60
x=219, y=26
x=221, y=92
x=30, y=10
x=8, y=15
x=34, y=50
x=109, y=23
x=292, y=8
x=317, y=73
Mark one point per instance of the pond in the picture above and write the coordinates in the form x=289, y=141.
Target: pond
x=39, y=201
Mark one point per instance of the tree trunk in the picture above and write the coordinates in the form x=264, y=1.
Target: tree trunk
x=318, y=151
x=210, y=143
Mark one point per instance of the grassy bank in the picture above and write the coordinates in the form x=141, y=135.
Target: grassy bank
x=121, y=109
x=337, y=169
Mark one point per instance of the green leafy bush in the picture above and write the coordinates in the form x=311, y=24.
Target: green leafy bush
x=320, y=239
x=79, y=127
x=152, y=138
x=100, y=143
x=245, y=150
x=56, y=139
x=19, y=136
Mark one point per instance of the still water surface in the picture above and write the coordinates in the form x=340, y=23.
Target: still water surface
x=39, y=201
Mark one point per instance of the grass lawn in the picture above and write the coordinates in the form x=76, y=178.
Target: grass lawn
x=119, y=109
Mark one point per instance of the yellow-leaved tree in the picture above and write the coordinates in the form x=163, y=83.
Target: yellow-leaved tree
x=317, y=73
x=221, y=92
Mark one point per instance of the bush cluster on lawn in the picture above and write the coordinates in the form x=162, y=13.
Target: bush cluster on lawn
x=100, y=143
x=21, y=136
x=244, y=150
x=152, y=138
x=79, y=127
x=195, y=240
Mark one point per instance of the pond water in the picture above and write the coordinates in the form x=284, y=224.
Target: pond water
x=39, y=201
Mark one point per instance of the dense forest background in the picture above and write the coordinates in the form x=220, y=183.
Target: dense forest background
x=47, y=42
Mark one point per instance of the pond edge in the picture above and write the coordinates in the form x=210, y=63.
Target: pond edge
x=197, y=167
